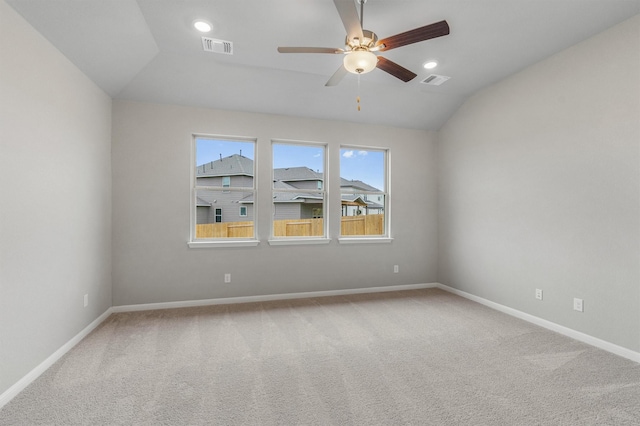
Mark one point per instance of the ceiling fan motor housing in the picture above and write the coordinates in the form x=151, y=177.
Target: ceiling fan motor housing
x=369, y=40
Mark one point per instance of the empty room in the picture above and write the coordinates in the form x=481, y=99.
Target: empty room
x=320, y=212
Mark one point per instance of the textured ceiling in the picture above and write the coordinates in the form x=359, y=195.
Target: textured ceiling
x=147, y=50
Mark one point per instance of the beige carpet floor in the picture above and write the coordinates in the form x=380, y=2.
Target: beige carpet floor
x=422, y=357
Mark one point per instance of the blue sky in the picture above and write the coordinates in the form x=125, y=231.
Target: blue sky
x=364, y=165
x=208, y=150
x=285, y=155
x=355, y=163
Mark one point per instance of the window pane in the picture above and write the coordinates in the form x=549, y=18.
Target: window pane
x=298, y=190
x=224, y=188
x=224, y=163
x=362, y=217
x=362, y=186
x=219, y=214
x=297, y=215
x=362, y=167
x=299, y=165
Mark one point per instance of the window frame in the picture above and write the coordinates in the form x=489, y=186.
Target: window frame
x=292, y=240
x=385, y=192
x=221, y=242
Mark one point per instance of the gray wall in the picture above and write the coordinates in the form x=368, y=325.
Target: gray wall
x=55, y=199
x=539, y=187
x=151, y=260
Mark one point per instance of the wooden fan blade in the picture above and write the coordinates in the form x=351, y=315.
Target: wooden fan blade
x=427, y=32
x=337, y=76
x=310, y=50
x=395, y=70
x=350, y=19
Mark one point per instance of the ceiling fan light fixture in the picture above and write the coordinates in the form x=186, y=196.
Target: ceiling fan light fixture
x=360, y=61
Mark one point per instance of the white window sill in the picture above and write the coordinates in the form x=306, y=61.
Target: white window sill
x=365, y=240
x=298, y=241
x=223, y=244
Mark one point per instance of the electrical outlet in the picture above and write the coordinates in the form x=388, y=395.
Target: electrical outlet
x=227, y=278
x=578, y=305
x=86, y=300
x=396, y=269
x=538, y=294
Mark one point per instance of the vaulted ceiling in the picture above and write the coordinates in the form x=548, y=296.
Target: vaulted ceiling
x=148, y=50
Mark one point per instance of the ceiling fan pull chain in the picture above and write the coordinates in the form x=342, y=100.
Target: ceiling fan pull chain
x=358, y=94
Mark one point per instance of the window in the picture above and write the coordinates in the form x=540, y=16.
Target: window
x=299, y=198
x=364, y=192
x=223, y=189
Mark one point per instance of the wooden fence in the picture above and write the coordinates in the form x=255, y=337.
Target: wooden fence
x=372, y=224
x=298, y=228
x=225, y=230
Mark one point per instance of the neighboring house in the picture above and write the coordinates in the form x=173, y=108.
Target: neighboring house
x=236, y=172
x=297, y=205
x=359, y=203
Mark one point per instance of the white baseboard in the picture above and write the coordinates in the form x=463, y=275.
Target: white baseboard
x=266, y=297
x=577, y=335
x=19, y=386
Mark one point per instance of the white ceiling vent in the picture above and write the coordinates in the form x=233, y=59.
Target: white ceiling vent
x=435, y=80
x=217, y=46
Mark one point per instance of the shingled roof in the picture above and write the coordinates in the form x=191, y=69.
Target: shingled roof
x=283, y=197
x=357, y=184
x=353, y=200
x=201, y=202
x=289, y=174
x=236, y=164
x=232, y=165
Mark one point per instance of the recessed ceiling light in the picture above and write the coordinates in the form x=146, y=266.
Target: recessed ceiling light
x=430, y=65
x=202, y=26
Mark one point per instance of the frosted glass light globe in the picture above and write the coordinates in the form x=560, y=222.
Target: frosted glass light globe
x=360, y=61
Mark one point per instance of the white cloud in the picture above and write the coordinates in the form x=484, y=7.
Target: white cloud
x=348, y=154
x=362, y=152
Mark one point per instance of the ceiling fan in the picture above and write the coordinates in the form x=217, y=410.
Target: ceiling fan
x=360, y=44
